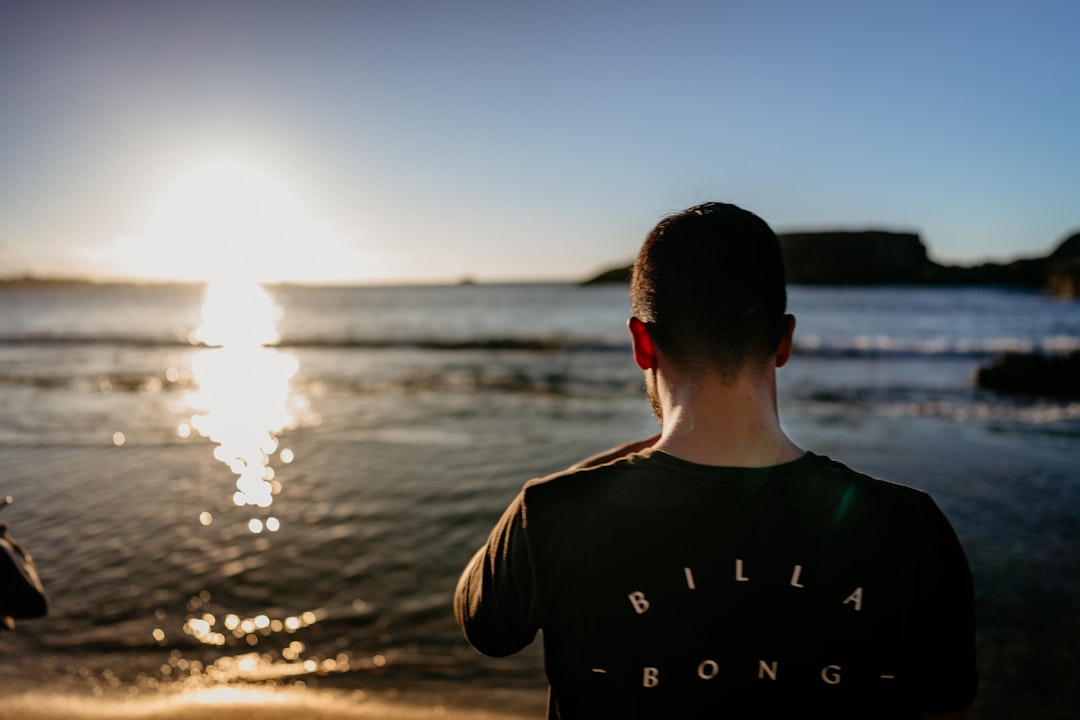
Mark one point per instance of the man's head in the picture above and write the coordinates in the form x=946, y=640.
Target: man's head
x=709, y=285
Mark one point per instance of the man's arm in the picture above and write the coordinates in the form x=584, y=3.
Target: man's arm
x=945, y=629
x=493, y=602
x=617, y=452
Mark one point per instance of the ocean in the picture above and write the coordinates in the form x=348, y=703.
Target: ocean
x=275, y=489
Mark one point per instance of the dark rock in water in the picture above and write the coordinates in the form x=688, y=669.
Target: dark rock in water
x=845, y=258
x=1033, y=374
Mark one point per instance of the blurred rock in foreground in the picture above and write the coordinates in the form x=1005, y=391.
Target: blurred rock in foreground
x=1055, y=376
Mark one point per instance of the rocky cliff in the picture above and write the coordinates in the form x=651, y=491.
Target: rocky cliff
x=874, y=257
x=1063, y=271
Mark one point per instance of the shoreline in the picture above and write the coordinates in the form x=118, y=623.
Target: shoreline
x=247, y=702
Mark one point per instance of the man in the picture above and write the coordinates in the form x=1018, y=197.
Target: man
x=718, y=570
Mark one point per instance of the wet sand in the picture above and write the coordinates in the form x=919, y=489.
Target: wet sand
x=244, y=703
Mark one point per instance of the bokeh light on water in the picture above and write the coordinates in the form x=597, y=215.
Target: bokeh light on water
x=257, y=649
x=243, y=399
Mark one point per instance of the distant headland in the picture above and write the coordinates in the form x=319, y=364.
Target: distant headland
x=881, y=257
x=63, y=281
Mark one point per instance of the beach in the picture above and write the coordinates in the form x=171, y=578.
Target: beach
x=276, y=528
x=255, y=703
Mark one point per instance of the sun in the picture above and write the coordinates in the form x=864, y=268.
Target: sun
x=225, y=221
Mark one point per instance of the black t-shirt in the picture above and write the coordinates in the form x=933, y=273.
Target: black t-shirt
x=669, y=589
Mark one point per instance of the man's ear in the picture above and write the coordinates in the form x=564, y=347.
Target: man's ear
x=644, y=348
x=783, y=352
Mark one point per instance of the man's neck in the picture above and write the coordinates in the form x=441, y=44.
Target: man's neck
x=710, y=421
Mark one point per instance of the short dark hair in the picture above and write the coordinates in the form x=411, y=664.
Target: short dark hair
x=709, y=282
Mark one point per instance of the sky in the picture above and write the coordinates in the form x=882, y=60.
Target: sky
x=429, y=141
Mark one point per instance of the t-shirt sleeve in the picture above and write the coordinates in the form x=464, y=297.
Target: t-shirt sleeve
x=945, y=650
x=495, y=598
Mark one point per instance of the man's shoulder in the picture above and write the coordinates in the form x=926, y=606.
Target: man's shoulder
x=835, y=472
x=598, y=483
x=813, y=480
x=578, y=477
x=871, y=499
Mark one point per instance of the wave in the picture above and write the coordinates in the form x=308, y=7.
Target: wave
x=49, y=339
x=884, y=346
x=1057, y=416
x=524, y=343
x=860, y=346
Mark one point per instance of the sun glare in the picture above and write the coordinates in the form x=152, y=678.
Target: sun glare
x=225, y=221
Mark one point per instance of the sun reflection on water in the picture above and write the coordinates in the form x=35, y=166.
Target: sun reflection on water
x=238, y=313
x=242, y=401
x=243, y=398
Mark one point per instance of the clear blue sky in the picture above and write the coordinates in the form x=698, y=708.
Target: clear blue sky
x=513, y=140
